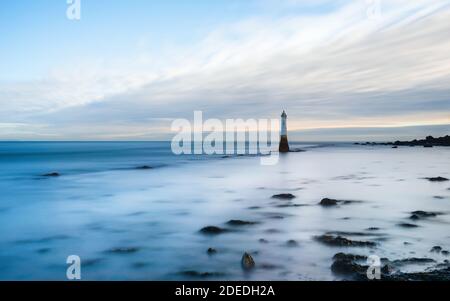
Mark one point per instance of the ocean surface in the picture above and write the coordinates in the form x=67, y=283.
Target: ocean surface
x=127, y=223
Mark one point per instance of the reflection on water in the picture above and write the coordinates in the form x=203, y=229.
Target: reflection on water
x=131, y=223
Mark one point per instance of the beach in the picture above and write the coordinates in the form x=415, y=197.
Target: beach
x=135, y=211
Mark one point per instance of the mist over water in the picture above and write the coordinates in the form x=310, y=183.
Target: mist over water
x=133, y=223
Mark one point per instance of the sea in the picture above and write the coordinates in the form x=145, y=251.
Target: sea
x=134, y=210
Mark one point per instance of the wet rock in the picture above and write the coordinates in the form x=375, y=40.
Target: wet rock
x=235, y=222
x=350, y=257
x=328, y=202
x=339, y=241
x=424, y=214
x=211, y=251
x=414, y=217
x=213, y=230
x=247, y=262
x=263, y=241
x=123, y=250
x=445, y=253
x=52, y=175
x=196, y=274
x=284, y=196
x=145, y=167
x=437, y=179
x=292, y=243
x=436, y=249
x=373, y=229
x=407, y=225
x=413, y=260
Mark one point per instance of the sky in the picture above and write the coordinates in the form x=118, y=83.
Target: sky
x=343, y=70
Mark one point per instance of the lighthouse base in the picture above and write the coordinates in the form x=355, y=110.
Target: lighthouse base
x=284, y=145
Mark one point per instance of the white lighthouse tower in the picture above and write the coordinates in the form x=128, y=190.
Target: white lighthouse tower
x=284, y=144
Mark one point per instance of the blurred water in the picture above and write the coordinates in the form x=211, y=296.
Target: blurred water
x=101, y=202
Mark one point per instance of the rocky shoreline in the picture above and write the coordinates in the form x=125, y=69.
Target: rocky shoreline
x=429, y=141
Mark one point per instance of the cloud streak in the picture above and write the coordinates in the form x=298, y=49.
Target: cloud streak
x=336, y=68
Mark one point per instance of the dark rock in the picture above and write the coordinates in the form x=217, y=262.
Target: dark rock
x=235, y=222
x=247, y=262
x=395, y=147
x=437, y=179
x=413, y=260
x=436, y=249
x=123, y=250
x=145, y=167
x=425, y=214
x=197, y=274
x=328, y=202
x=373, y=229
x=445, y=253
x=351, y=257
x=284, y=196
x=414, y=217
x=53, y=174
x=292, y=243
x=407, y=225
x=428, y=142
x=211, y=251
x=263, y=241
x=213, y=230
x=339, y=241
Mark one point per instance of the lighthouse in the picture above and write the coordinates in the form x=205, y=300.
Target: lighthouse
x=284, y=144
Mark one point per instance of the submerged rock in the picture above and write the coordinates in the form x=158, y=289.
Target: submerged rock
x=211, y=251
x=213, y=230
x=436, y=249
x=328, y=202
x=52, y=174
x=263, y=241
x=425, y=214
x=407, y=225
x=123, y=250
x=292, y=243
x=284, y=196
x=197, y=274
x=339, y=241
x=235, y=222
x=145, y=167
x=413, y=260
x=247, y=262
x=437, y=179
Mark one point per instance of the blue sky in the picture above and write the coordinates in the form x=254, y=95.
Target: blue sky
x=128, y=68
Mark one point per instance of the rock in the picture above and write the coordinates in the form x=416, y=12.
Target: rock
x=263, y=241
x=145, y=167
x=407, y=225
x=436, y=249
x=284, y=196
x=292, y=243
x=413, y=260
x=414, y=217
x=213, y=230
x=211, y=251
x=201, y=274
x=395, y=147
x=437, y=179
x=339, y=241
x=53, y=174
x=235, y=222
x=351, y=257
x=425, y=214
x=123, y=250
x=445, y=253
x=247, y=262
x=373, y=229
x=328, y=202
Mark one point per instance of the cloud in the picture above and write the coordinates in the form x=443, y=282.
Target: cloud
x=336, y=67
